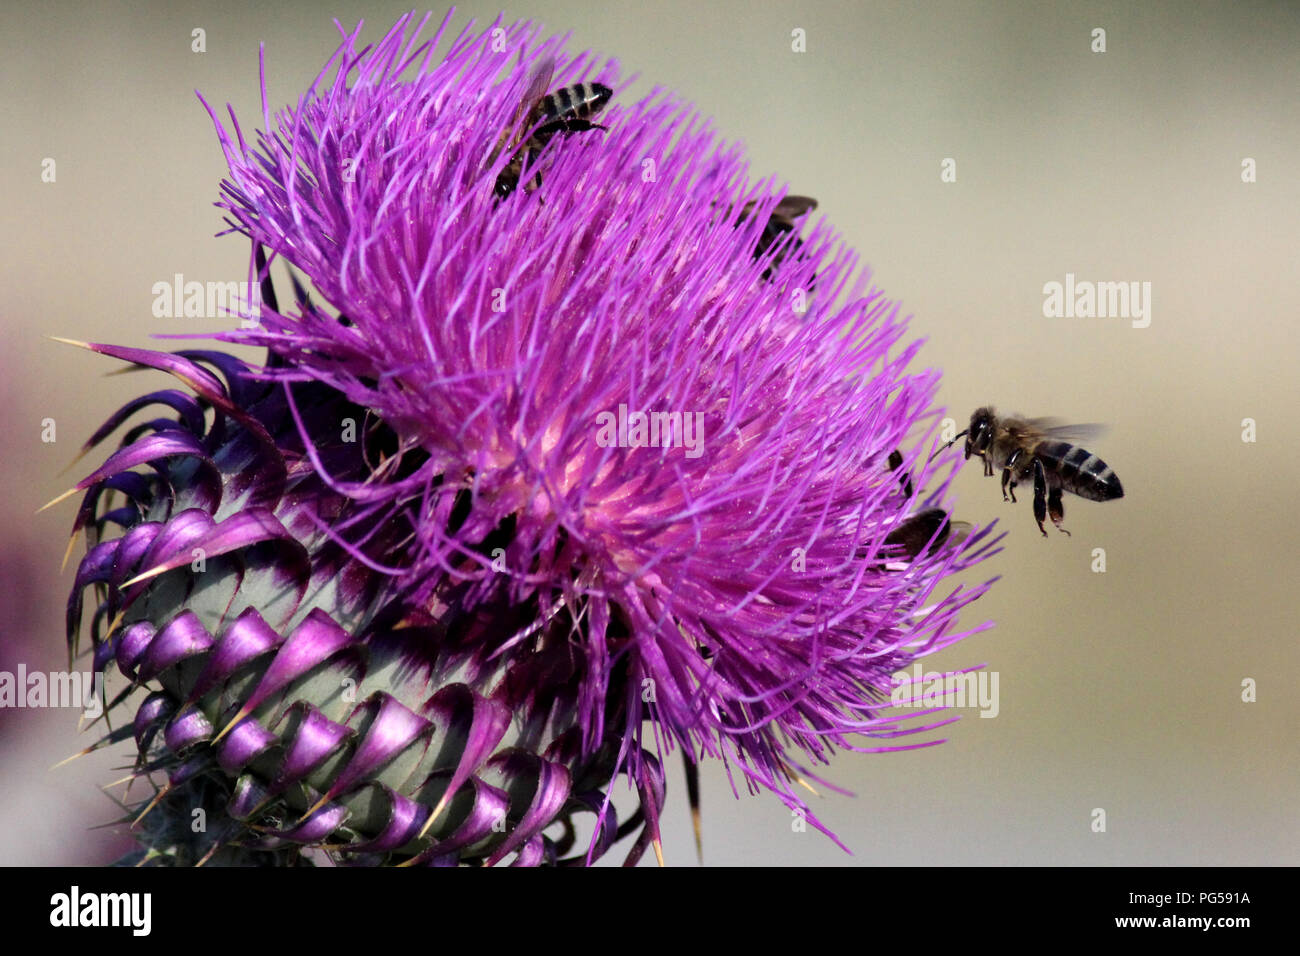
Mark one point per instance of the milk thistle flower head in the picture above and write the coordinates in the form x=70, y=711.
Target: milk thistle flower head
x=532, y=491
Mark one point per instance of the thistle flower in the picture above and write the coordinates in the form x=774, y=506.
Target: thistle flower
x=421, y=589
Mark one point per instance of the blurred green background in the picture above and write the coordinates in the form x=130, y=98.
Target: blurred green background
x=1119, y=690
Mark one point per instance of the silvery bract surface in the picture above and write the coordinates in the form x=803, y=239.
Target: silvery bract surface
x=424, y=588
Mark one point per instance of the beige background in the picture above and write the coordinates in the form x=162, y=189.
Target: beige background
x=1118, y=690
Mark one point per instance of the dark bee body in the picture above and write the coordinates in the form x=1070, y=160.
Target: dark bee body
x=779, y=223
x=569, y=109
x=922, y=534
x=566, y=110
x=1078, y=471
x=1022, y=448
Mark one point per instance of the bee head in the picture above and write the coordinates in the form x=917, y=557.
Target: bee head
x=980, y=433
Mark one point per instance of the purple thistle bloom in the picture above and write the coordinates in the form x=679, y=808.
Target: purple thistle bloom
x=542, y=488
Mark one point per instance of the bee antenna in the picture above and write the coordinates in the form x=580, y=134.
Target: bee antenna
x=949, y=445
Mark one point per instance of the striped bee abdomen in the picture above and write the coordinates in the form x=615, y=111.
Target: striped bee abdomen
x=1079, y=471
x=568, y=109
x=580, y=99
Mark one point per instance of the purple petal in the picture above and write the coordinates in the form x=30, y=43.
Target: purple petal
x=183, y=637
x=317, y=827
x=244, y=744
x=468, y=729
x=247, y=638
x=312, y=738
x=532, y=853
x=238, y=531
x=404, y=820
x=249, y=796
x=392, y=728
x=150, y=717
x=537, y=788
x=473, y=812
x=312, y=642
x=190, y=411
x=200, y=380
x=147, y=450
x=186, y=729
x=132, y=646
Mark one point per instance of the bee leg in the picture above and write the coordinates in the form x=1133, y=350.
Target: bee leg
x=1008, y=485
x=988, y=467
x=1056, y=509
x=536, y=180
x=1040, y=495
x=576, y=125
x=904, y=479
x=531, y=187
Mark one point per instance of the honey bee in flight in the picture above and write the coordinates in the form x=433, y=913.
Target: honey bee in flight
x=541, y=115
x=1021, y=447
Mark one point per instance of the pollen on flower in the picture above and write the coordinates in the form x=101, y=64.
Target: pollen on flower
x=353, y=669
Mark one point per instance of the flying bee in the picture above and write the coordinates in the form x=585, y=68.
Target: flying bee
x=780, y=222
x=540, y=115
x=1038, y=446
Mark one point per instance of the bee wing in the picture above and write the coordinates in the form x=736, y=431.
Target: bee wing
x=539, y=81
x=526, y=109
x=788, y=209
x=960, y=531
x=1067, y=431
x=792, y=207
